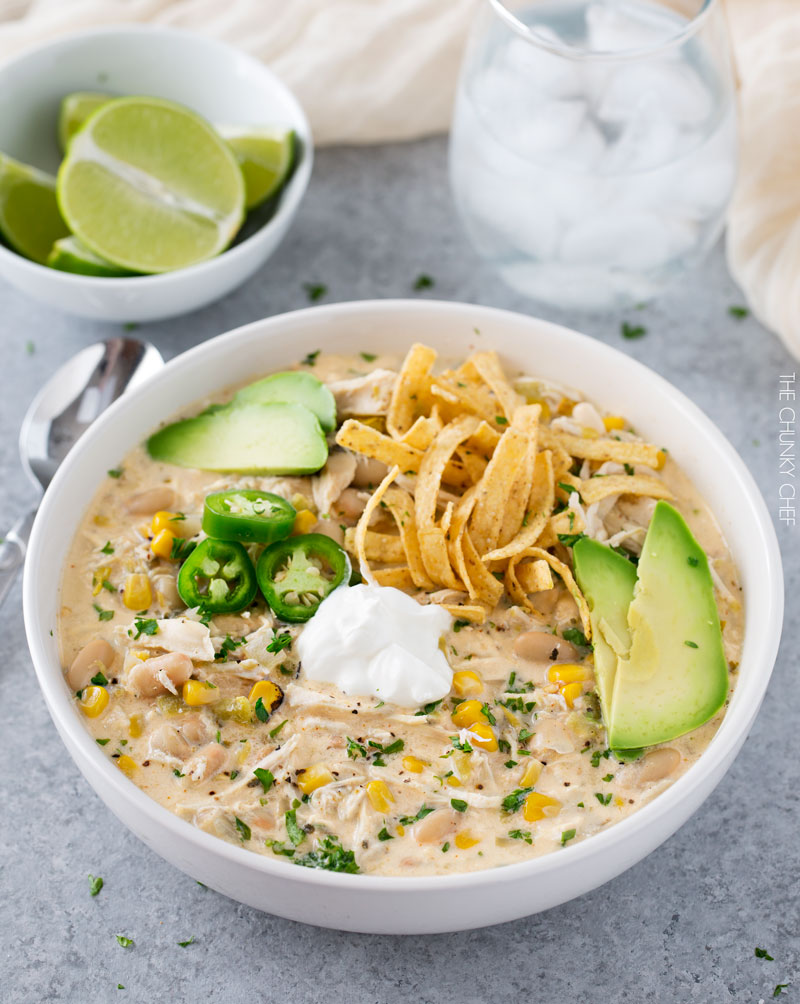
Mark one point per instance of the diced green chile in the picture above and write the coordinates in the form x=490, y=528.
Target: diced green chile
x=248, y=515
x=295, y=575
x=218, y=577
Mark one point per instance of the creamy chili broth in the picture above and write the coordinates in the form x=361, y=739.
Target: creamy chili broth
x=198, y=762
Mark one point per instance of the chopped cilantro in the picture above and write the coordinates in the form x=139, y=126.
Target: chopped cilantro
x=739, y=312
x=109, y=588
x=459, y=804
x=460, y=623
x=280, y=642
x=95, y=884
x=294, y=831
x=330, y=855
x=509, y=764
x=310, y=359
x=227, y=647
x=762, y=953
x=628, y=469
x=103, y=615
x=102, y=742
x=691, y=644
x=428, y=709
x=569, y=489
x=315, y=290
x=368, y=357
x=410, y=820
x=524, y=735
x=501, y=420
x=245, y=833
x=354, y=749
x=694, y=562
x=521, y=835
x=566, y=836
x=632, y=330
x=181, y=548
x=515, y=801
x=603, y=799
x=148, y=627
x=262, y=712
x=597, y=755
x=445, y=847
x=274, y=733
x=107, y=548
x=608, y=777
x=779, y=988
x=177, y=773
x=125, y=942
x=278, y=848
x=116, y=472
x=185, y=944
x=576, y=636
x=99, y=680
x=570, y=539
x=385, y=835
x=234, y=774
x=266, y=777
x=423, y=282
x=486, y=711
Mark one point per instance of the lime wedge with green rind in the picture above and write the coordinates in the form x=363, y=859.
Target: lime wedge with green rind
x=30, y=222
x=75, y=110
x=69, y=255
x=150, y=186
x=266, y=157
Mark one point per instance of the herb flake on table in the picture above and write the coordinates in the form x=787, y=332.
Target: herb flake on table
x=315, y=290
x=631, y=331
x=423, y=281
x=185, y=944
x=95, y=884
x=116, y=472
x=762, y=953
x=125, y=942
x=739, y=312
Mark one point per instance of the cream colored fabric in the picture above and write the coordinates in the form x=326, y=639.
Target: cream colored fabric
x=764, y=219
x=365, y=71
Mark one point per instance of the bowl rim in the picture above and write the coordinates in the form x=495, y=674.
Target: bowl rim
x=716, y=758
x=290, y=197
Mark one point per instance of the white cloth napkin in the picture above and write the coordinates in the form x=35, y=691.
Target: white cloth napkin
x=365, y=71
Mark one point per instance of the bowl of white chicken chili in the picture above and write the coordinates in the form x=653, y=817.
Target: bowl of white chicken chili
x=364, y=631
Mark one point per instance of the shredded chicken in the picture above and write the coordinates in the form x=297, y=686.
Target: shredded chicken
x=364, y=395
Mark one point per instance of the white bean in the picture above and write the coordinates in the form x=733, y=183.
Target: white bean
x=435, y=827
x=97, y=656
x=539, y=646
x=207, y=762
x=143, y=679
x=658, y=764
x=152, y=500
x=195, y=729
x=165, y=739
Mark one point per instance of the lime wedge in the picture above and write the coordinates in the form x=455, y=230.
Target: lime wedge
x=150, y=186
x=266, y=157
x=30, y=222
x=69, y=255
x=75, y=110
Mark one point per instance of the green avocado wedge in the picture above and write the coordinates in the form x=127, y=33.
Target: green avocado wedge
x=661, y=669
x=293, y=387
x=274, y=438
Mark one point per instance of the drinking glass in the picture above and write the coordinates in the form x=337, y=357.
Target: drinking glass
x=593, y=145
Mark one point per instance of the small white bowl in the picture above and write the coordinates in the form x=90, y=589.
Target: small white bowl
x=220, y=82
x=424, y=904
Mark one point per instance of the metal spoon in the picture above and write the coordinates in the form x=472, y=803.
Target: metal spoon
x=61, y=412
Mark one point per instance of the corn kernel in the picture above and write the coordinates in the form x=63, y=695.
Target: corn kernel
x=94, y=701
x=126, y=764
x=299, y=502
x=487, y=740
x=465, y=839
x=531, y=774
x=100, y=520
x=571, y=692
x=567, y=672
x=99, y=577
x=196, y=693
x=453, y=781
x=163, y=520
x=661, y=458
x=313, y=777
x=135, y=726
x=613, y=422
x=467, y=713
x=161, y=544
x=270, y=693
x=538, y=806
x=137, y=594
x=379, y=795
x=303, y=522
x=466, y=683
x=400, y=830
x=589, y=433
x=244, y=752
x=565, y=406
x=413, y=764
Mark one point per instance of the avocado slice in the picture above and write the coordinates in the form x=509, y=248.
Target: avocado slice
x=293, y=387
x=246, y=438
x=676, y=676
x=659, y=661
x=607, y=580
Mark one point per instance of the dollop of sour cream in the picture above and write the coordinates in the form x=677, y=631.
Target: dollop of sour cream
x=377, y=641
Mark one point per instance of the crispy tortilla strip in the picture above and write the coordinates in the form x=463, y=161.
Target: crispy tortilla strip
x=399, y=577
x=423, y=432
x=411, y=389
x=602, y=449
x=566, y=576
x=484, y=440
x=432, y=467
x=495, y=490
x=401, y=506
x=472, y=612
x=447, y=517
x=491, y=372
x=534, y=576
x=486, y=587
x=562, y=462
x=458, y=526
x=471, y=397
x=363, y=439
x=540, y=505
x=473, y=463
x=595, y=489
x=433, y=547
x=567, y=522
x=526, y=419
x=361, y=527
x=378, y=546
x=567, y=479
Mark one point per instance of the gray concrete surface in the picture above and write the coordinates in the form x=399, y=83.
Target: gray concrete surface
x=680, y=927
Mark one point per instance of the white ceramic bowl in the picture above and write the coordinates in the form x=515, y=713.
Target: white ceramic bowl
x=220, y=82
x=413, y=905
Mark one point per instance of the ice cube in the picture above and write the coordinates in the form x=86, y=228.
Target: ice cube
x=617, y=27
x=578, y=288
x=648, y=139
x=547, y=127
x=639, y=241
x=674, y=88
x=541, y=70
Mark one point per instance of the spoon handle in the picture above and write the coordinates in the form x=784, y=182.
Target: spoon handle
x=12, y=552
